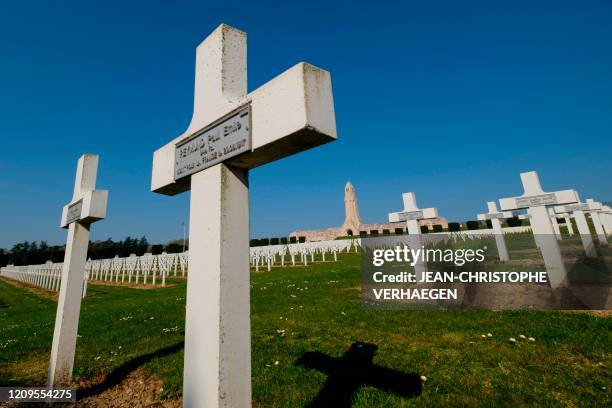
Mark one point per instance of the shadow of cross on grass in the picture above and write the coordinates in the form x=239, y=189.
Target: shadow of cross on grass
x=356, y=369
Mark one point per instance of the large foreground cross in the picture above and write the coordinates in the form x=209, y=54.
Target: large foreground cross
x=88, y=205
x=231, y=132
x=535, y=200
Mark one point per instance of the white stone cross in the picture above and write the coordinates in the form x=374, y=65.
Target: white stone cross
x=595, y=209
x=606, y=218
x=555, y=223
x=232, y=131
x=577, y=210
x=495, y=216
x=536, y=200
x=412, y=214
x=567, y=217
x=87, y=206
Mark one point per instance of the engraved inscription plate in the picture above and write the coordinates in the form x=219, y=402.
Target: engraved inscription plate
x=494, y=215
x=412, y=215
x=577, y=207
x=226, y=138
x=537, y=200
x=74, y=212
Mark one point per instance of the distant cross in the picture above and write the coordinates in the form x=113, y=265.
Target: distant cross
x=87, y=206
x=232, y=131
x=554, y=223
x=412, y=214
x=606, y=219
x=578, y=212
x=354, y=370
x=568, y=222
x=595, y=209
x=495, y=217
x=536, y=200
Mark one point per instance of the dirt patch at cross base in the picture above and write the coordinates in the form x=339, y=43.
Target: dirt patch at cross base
x=137, y=390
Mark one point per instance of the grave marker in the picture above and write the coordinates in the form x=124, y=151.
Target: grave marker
x=555, y=223
x=535, y=200
x=495, y=217
x=412, y=214
x=232, y=131
x=577, y=210
x=87, y=206
x=606, y=214
x=595, y=210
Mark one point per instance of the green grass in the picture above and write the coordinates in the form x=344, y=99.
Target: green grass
x=318, y=307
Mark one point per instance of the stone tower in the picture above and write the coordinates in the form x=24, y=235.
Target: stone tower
x=352, y=221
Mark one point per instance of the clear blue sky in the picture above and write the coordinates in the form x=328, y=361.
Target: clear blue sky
x=448, y=99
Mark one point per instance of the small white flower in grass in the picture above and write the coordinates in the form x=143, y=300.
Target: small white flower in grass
x=268, y=365
x=484, y=336
x=522, y=336
x=531, y=339
x=512, y=340
x=276, y=362
x=423, y=378
x=343, y=314
x=489, y=335
x=97, y=358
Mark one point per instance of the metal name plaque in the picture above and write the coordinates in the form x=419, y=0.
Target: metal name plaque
x=226, y=138
x=412, y=215
x=74, y=212
x=577, y=207
x=494, y=215
x=537, y=200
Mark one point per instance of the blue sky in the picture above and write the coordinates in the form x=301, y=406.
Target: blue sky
x=451, y=100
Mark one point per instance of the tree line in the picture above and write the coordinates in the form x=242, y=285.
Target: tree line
x=33, y=253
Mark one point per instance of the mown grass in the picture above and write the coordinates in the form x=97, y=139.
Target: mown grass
x=300, y=310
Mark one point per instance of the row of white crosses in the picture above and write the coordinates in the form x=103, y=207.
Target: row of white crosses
x=145, y=269
x=128, y=270
x=232, y=131
x=267, y=255
x=45, y=276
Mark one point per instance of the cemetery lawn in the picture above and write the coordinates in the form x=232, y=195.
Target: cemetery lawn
x=309, y=316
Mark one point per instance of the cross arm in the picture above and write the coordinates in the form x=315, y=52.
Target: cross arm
x=421, y=214
x=493, y=212
x=489, y=216
x=526, y=201
x=291, y=113
x=91, y=206
x=571, y=207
